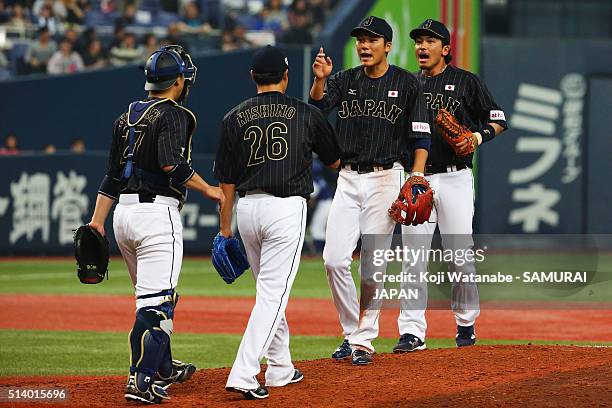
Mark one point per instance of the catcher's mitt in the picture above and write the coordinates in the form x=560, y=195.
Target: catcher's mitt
x=454, y=132
x=229, y=258
x=91, y=253
x=414, y=203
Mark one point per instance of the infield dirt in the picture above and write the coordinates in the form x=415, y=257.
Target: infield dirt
x=529, y=375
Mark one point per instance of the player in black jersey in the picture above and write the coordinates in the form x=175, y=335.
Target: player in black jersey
x=149, y=169
x=382, y=127
x=265, y=154
x=466, y=96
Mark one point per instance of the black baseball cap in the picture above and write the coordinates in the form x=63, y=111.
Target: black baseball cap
x=374, y=25
x=431, y=28
x=269, y=60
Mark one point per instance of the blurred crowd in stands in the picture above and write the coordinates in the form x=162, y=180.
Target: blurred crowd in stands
x=66, y=36
x=11, y=147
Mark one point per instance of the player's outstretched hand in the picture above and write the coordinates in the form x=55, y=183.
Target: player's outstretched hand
x=322, y=66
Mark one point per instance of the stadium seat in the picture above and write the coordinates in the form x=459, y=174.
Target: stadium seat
x=163, y=18
x=16, y=57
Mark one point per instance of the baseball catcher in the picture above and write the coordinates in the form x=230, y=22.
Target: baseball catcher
x=229, y=258
x=149, y=171
x=91, y=253
x=414, y=202
x=459, y=137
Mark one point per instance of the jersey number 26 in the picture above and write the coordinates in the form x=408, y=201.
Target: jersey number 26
x=275, y=143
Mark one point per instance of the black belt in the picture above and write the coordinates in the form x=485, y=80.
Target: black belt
x=438, y=168
x=146, y=197
x=367, y=168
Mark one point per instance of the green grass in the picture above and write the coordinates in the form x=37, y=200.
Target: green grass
x=34, y=352
x=198, y=278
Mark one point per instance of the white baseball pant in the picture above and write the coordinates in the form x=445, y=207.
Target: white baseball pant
x=360, y=206
x=150, y=238
x=453, y=213
x=272, y=230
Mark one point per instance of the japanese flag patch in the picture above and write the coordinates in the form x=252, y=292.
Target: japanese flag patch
x=449, y=87
x=393, y=94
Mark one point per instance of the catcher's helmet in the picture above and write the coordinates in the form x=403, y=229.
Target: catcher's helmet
x=165, y=65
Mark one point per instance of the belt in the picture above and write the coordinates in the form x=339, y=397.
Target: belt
x=135, y=198
x=433, y=169
x=251, y=192
x=146, y=198
x=366, y=168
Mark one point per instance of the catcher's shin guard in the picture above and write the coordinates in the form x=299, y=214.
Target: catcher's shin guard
x=149, y=343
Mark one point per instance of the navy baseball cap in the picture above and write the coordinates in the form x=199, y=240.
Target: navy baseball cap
x=269, y=60
x=374, y=25
x=431, y=28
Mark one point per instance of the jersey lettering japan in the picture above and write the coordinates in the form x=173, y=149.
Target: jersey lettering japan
x=376, y=117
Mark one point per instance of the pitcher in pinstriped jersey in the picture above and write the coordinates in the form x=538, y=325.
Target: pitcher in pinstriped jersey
x=382, y=128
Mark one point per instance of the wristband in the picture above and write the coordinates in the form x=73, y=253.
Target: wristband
x=417, y=174
x=487, y=133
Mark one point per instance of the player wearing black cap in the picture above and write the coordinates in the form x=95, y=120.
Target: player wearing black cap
x=265, y=154
x=149, y=169
x=465, y=96
x=382, y=127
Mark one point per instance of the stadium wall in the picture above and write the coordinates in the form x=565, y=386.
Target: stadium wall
x=58, y=109
x=546, y=174
x=43, y=198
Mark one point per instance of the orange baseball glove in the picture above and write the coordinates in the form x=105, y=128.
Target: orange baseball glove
x=454, y=133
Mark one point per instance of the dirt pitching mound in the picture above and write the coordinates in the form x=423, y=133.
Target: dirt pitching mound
x=474, y=376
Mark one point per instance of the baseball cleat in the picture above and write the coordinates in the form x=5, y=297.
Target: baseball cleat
x=408, y=343
x=343, y=351
x=465, y=336
x=361, y=357
x=297, y=377
x=154, y=395
x=181, y=372
x=260, y=392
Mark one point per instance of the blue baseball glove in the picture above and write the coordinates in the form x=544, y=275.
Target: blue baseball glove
x=229, y=258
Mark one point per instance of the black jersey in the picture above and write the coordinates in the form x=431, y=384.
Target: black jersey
x=464, y=95
x=267, y=143
x=377, y=117
x=162, y=137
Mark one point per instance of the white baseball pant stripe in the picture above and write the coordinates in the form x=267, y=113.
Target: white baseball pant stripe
x=272, y=230
x=453, y=213
x=360, y=206
x=150, y=238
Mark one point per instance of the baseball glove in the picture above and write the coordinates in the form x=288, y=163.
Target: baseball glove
x=454, y=132
x=229, y=258
x=91, y=253
x=414, y=203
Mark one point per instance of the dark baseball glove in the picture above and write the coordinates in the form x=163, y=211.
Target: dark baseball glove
x=229, y=258
x=414, y=203
x=91, y=253
x=454, y=132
